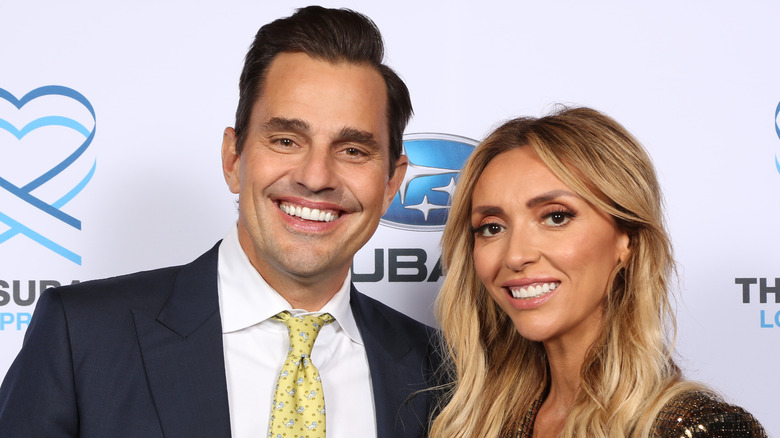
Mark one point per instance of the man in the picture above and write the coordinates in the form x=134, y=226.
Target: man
x=196, y=350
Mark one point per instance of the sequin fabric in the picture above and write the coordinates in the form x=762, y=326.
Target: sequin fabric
x=699, y=414
x=526, y=430
x=690, y=415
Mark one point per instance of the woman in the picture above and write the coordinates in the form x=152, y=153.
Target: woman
x=555, y=306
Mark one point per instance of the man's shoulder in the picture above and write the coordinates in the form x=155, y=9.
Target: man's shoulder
x=392, y=315
x=143, y=289
x=132, y=280
x=385, y=310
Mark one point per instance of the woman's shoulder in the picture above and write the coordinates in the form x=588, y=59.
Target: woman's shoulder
x=703, y=414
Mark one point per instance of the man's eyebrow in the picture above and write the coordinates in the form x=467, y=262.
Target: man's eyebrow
x=284, y=124
x=549, y=196
x=353, y=135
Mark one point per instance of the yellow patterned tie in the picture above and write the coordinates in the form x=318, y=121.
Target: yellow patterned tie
x=298, y=410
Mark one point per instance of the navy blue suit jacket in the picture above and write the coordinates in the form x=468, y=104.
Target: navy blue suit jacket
x=141, y=356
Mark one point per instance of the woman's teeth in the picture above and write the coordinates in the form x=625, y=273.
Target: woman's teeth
x=533, y=291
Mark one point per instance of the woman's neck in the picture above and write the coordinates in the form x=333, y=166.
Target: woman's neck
x=565, y=358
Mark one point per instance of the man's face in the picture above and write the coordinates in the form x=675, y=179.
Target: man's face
x=313, y=178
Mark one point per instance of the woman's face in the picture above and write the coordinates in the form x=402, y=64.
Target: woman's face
x=543, y=252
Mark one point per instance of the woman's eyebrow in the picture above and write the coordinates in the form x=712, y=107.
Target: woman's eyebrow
x=549, y=196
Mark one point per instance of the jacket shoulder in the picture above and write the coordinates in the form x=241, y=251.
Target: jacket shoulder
x=399, y=320
x=703, y=414
x=147, y=290
x=141, y=289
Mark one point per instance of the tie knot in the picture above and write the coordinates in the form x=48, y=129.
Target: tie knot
x=303, y=330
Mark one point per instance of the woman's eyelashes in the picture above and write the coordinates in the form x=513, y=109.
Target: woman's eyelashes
x=487, y=229
x=551, y=217
x=558, y=216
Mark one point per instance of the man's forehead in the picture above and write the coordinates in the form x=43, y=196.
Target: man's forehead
x=299, y=62
x=307, y=94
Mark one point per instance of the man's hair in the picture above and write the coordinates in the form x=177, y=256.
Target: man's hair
x=332, y=35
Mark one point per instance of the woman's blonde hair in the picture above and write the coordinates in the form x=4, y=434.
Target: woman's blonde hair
x=628, y=373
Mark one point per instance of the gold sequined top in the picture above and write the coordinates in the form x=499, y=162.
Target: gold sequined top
x=699, y=414
x=693, y=414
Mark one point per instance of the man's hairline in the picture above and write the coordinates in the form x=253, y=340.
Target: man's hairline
x=260, y=89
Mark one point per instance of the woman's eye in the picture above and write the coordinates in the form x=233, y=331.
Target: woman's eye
x=489, y=230
x=557, y=218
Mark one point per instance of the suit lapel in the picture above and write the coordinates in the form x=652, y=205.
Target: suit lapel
x=396, y=373
x=182, y=353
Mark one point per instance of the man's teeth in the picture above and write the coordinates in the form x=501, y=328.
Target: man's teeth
x=533, y=291
x=311, y=214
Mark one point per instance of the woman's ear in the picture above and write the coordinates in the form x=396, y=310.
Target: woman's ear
x=623, y=247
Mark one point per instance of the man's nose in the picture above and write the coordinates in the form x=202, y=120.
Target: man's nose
x=317, y=170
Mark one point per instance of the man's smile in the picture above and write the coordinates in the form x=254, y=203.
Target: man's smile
x=311, y=214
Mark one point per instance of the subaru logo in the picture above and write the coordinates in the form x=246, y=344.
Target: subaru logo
x=424, y=198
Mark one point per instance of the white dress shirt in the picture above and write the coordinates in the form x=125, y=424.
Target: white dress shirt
x=256, y=346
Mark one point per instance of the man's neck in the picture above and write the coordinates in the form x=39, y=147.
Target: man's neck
x=310, y=294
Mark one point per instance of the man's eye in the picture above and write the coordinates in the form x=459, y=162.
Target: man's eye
x=354, y=154
x=286, y=142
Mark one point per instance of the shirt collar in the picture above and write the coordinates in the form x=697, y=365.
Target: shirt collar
x=245, y=299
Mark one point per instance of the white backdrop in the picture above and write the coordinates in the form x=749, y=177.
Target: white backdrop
x=696, y=82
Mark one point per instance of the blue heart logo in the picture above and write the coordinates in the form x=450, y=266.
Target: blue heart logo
x=777, y=130
x=32, y=195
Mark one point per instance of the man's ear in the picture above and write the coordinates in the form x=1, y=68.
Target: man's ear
x=231, y=161
x=395, y=181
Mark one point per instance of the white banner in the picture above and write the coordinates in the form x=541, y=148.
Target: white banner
x=111, y=119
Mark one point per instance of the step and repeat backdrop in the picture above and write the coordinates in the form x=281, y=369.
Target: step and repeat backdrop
x=111, y=120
